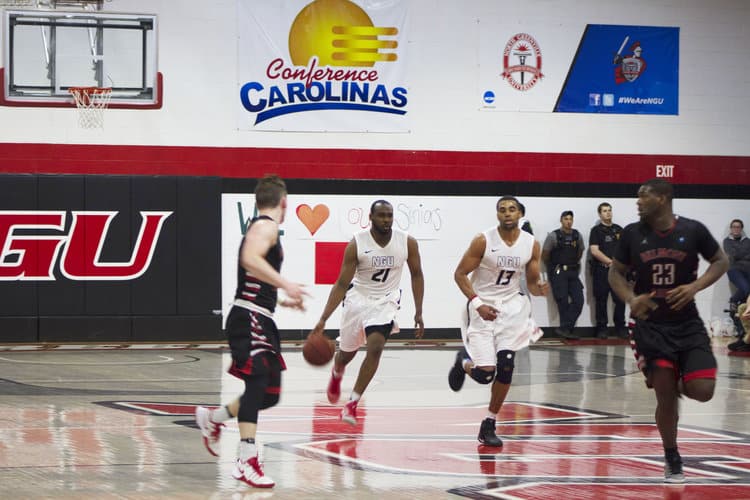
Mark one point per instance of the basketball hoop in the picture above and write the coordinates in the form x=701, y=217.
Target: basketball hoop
x=91, y=103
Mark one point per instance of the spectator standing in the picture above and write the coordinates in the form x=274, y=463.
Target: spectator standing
x=602, y=241
x=562, y=253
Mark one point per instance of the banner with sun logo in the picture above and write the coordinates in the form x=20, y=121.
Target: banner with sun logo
x=323, y=66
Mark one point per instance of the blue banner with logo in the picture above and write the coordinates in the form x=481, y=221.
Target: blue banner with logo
x=624, y=70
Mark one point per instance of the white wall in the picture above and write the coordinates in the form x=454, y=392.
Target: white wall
x=444, y=232
x=198, y=56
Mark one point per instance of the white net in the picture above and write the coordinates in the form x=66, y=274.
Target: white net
x=91, y=103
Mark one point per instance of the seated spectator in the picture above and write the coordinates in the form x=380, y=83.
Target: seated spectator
x=737, y=247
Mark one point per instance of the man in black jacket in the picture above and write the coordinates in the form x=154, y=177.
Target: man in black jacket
x=602, y=241
x=562, y=253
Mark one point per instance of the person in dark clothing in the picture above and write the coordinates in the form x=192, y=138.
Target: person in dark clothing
x=737, y=248
x=562, y=253
x=602, y=241
x=524, y=223
x=669, y=338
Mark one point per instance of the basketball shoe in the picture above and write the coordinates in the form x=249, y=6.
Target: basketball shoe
x=487, y=434
x=334, y=387
x=457, y=375
x=673, y=471
x=251, y=472
x=349, y=413
x=211, y=430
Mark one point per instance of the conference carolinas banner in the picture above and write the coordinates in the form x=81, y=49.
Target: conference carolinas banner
x=323, y=66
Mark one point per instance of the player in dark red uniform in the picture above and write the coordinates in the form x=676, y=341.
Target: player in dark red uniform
x=669, y=337
x=253, y=337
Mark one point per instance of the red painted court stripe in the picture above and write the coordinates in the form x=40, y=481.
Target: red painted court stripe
x=589, y=491
x=367, y=164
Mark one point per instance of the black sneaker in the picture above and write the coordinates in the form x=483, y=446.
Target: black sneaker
x=457, y=375
x=739, y=346
x=734, y=345
x=601, y=333
x=673, y=471
x=566, y=334
x=487, y=434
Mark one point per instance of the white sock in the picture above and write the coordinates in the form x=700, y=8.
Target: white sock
x=492, y=416
x=355, y=396
x=336, y=374
x=220, y=415
x=247, y=450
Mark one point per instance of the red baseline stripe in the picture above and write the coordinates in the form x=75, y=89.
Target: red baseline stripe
x=367, y=164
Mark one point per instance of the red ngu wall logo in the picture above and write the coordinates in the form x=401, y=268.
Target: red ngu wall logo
x=30, y=247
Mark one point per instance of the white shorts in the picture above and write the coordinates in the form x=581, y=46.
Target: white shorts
x=361, y=311
x=512, y=330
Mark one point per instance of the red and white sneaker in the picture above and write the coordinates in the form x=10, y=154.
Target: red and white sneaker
x=349, y=413
x=251, y=472
x=211, y=430
x=334, y=388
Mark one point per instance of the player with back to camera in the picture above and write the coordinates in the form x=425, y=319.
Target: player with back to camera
x=253, y=337
x=498, y=318
x=670, y=340
x=368, y=283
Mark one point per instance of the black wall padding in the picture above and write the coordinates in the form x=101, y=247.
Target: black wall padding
x=62, y=297
x=111, y=194
x=18, y=298
x=172, y=301
x=155, y=293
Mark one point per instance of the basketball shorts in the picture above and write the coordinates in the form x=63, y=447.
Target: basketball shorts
x=685, y=346
x=512, y=330
x=360, y=311
x=252, y=336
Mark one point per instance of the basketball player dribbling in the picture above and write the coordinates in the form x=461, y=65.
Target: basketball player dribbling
x=498, y=318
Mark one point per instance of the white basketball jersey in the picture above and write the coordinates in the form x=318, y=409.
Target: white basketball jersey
x=379, y=268
x=499, y=273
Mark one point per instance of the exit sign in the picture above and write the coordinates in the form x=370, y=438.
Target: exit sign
x=665, y=170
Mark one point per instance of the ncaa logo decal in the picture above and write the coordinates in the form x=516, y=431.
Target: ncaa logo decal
x=522, y=62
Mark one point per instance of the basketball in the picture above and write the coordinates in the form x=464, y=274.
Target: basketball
x=318, y=349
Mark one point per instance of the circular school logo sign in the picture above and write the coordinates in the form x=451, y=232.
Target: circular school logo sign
x=522, y=62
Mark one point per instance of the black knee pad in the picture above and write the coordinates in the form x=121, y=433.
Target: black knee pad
x=505, y=366
x=482, y=376
x=252, y=398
